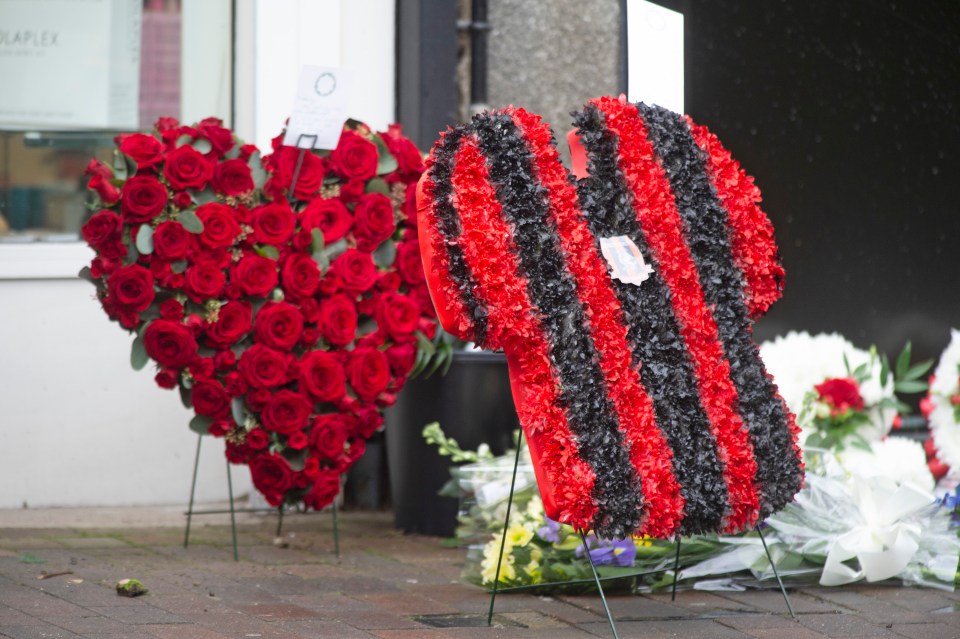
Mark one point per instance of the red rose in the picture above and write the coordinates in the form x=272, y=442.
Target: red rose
x=221, y=139
x=352, y=191
x=255, y=275
x=397, y=315
x=278, y=325
x=286, y=412
x=258, y=439
x=338, y=320
x=102, y=228
x=131, y=288
x=204, y=280
x=224, y=361
x=273, y=223
x=233, y=178
x=402, y=357
x=355, y=157
x=321, y=376
x=262, y=367
x=369, y=419
x=409, y=159
x=232, y=324
x=100, y=176
x=300, y=276
x=209, y=398
x=373, y=221
x=368, y=372
x=841, y=393
x=171, y=241
x=186, y=168
x=355, y=270
x=328, y=215
x=170, y=344
x=328, y=435
x=272, y=476
x=281, y=165
x=409, y=264
x=220, y=227
x=146, y=150
x=142, y=199
x=166, y=378
x=325, y=489
x=171, y=309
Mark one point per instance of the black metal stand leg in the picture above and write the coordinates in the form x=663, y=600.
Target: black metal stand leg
x=193, y=490
x=296, y=170
x=233, y=516
x=596, y=578
x=783, y=590
x=336, y=532
x=676, y=571
x=506, y=524
x=279, y=520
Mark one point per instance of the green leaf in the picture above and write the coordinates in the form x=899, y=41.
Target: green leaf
x=202, y=145
x=85, y=274
x=846, y=364
x=204, y=197
x=336, y=249
x=385, y=254
x=185, y=397
x=201, y=424
x=138, y=354
x=266, y=250
x=190, y=221
x=378, y=185
x=236, y=408
x=903, y=361
x=322, y=261
x=386, y=162
x=145, y=239
x=120, y=171
x=884, y=369
x=257, y=171
x=909, y=386
x=179, y=266
x=918, y=370
x=317, y=242
x=425, y=345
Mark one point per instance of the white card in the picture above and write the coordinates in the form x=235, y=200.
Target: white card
x=625, y=260
x=320, y=108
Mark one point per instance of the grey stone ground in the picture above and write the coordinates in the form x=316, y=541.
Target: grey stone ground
x=386, y=585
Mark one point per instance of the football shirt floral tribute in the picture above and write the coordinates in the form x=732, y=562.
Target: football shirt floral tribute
x=624, y=304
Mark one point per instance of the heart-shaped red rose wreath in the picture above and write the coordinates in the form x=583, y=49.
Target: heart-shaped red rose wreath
x=287, y=320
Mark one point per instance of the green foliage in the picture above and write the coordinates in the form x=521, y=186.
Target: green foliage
x=138, y=354
x=448, y=446
x=190, y=221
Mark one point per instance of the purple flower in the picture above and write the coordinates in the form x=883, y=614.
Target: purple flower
x=620, y=552
x=550, y=532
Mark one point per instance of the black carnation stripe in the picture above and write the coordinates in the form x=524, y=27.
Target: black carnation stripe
x=707, y=230
x=441, y=173
x=658, y=349
x=583, y=394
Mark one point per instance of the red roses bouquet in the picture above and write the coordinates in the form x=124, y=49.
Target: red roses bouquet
x=284, y=297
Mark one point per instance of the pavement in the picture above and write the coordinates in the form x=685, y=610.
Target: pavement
x=59, y=569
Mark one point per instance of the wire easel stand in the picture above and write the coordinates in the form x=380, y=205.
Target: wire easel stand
x=503, y=543
x=783, y=591
x=234, y=510
x=296, y=170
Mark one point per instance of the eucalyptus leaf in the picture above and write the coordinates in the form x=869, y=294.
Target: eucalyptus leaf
x=335, y=250
x=378, y=185
x=138, y=354
x=322, y=261
x=202, y=145
x=86, y=274
x=183, y=139
x=185, y=397
x=119, y=166
x=236, y=408
x=190, y=221
x=257, y=171
x=200, y=424
x=386, y=162
x=317, y=242
x=145, y=239
x=385, y=254
x=179, y=266
x=205, y=196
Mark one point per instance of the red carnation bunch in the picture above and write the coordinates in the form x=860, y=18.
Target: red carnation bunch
x=284, y=297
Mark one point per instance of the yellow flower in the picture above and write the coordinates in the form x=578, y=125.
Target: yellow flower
x=518, y=535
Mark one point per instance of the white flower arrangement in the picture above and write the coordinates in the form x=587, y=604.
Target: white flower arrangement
x=942, y=405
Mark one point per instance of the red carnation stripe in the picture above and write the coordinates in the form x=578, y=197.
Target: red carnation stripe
x=565, y=479
x=658, y=216
x=650, y=452
x=751, y=238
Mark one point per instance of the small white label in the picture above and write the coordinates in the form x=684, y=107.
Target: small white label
x=624, y=259
x=320, y=108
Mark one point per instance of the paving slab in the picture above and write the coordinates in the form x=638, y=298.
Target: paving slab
x=383, y=585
